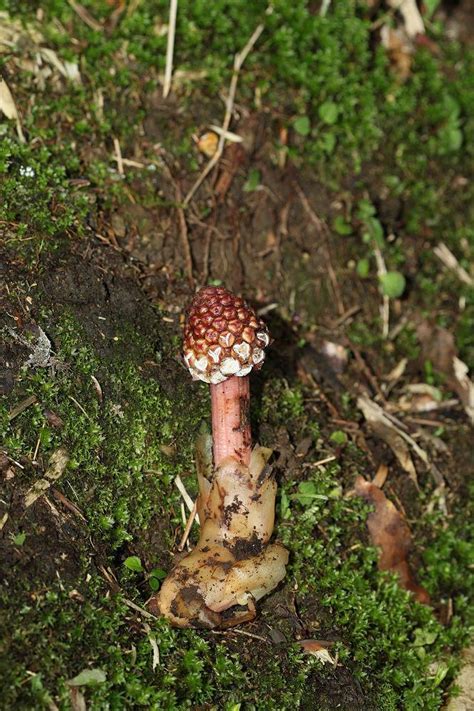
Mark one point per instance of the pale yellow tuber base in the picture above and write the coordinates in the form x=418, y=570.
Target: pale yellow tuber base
x=232, y=565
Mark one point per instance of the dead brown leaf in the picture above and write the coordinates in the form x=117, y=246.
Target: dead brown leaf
x=387, y=431
x=380, y=476
x=389, y=531
x=438, y=346
x=7, y=102
x=234, y=157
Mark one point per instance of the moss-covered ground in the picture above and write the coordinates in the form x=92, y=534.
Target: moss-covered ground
x=346, y=161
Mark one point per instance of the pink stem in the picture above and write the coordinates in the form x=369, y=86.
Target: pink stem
x=231, y=435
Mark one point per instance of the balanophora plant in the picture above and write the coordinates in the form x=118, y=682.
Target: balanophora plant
x=233, y=564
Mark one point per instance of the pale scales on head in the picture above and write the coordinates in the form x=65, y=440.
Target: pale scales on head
x=223, y=336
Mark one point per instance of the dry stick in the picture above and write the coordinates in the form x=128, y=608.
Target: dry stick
x=322, y=228
x=21, y=406
x=85, y=16
x=206, y=256
x=183, y=233
x=183, y=228
x=170, y=48
x=385, y=310
x=118, y=156
x=138, y=609
x=187, y=529
x=182, y=490
x=445, y=255
x=238, y=62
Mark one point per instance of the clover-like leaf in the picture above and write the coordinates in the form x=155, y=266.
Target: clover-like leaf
x=134, y=563
x=393, y=284
x=88, y=677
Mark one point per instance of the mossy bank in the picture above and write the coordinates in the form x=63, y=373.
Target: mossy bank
x=343, y=162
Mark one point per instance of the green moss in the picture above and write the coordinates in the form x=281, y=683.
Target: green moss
x=116, y=445
x=389, y=640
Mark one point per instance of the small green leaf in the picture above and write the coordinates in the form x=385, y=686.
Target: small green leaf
x=302, y=125
x=133, y=562
x=376, y=230
x=19, y=539
x=365, y=209
x=45, y=436
x=307, y=493
x=284, y=505
x=441, y=673
x=338, y=437
x=341, y=226
x=88, y=677
x=424, y=637
x=328, y=112
x=335, y=493
x=363, y=268
x=393, y=284
x=253, y=181
x=451, y=138
x=154, y=584
x=158, y=573
x=430, y=7
x=328, y=141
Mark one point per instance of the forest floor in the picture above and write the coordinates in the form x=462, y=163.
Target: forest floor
x=342, y=209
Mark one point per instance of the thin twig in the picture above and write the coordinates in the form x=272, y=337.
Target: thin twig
x=319, y=224
x=21, y=406
x=139, y=609
x=85, y=16
x=183, y=233
x=243, y=633
x=170, y=47
x=78, y=404
x=183, y=228
x=187, y=529
x=385, y=310
x=182, y=490
x=118, y=156
x=322, y=228
x=320, y=462
x=445, y=255
x=346, y=316
x=324, y=8
x=238, y=62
